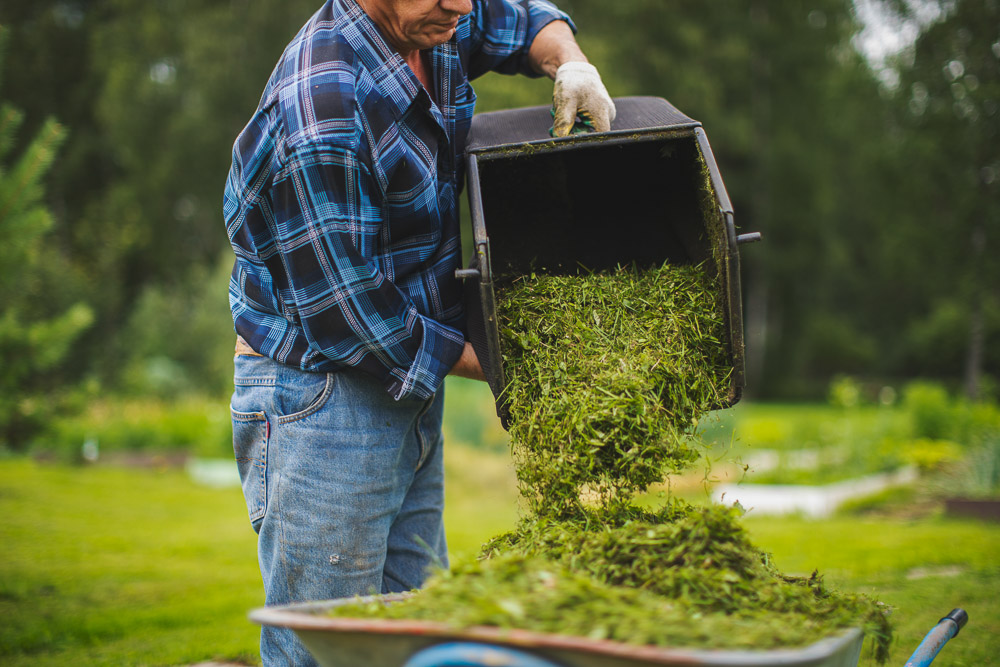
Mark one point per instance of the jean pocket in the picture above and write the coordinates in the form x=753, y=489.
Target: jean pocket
x=250, y=436
x=310, y=389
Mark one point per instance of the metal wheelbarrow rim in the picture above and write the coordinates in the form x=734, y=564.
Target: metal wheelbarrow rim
x=311, y=622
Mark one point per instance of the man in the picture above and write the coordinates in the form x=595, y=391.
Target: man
x=342, y=209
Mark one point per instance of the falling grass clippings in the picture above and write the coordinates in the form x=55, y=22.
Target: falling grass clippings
x=608, y=375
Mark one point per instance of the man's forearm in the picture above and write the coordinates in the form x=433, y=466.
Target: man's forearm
x=554, y=45
x=468, y=365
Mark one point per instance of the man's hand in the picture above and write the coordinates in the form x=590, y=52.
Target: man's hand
x=579, y=90
x=467, y=365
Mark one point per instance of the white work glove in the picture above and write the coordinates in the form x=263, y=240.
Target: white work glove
x=579, y=91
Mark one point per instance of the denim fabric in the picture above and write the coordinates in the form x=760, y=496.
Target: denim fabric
x=343, y=484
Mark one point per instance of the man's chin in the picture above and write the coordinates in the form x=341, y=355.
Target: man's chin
x=431, y=39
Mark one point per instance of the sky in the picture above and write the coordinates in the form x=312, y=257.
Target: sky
x=885, y=35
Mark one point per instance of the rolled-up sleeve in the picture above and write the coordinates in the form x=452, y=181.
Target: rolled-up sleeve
x=349, y=310
x=502, y=32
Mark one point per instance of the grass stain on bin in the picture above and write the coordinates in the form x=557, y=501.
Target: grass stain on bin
x=608, y=375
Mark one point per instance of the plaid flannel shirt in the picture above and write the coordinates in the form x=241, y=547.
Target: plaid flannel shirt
x=342, y=201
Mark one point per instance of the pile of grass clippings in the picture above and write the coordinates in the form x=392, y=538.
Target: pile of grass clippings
x=702, y=560
x=694, y=581
x=608, y=376
x=516, y=591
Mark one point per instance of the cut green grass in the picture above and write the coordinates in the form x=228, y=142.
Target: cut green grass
x=607, y=375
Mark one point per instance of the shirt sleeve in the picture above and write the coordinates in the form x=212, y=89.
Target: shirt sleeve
x=502, y=32
x=350, y=311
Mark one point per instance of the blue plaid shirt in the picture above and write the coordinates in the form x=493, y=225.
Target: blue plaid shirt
x=342, y=201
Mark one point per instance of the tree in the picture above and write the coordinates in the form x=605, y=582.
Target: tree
x=153, y=95
x=949, y=119
x=37, y=332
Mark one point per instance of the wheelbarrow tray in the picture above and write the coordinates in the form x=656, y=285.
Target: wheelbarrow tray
x=351, y=642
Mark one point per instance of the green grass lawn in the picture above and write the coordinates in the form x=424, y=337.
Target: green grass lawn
x=104, y=565
x=122, y=566
x=923, y=569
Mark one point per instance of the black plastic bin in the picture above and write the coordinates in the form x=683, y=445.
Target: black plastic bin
x=646, y=192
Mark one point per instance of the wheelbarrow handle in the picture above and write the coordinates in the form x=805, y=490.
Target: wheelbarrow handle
x=471, y=654
x=939, y=635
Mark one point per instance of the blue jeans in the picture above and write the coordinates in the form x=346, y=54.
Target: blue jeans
x=343, y=484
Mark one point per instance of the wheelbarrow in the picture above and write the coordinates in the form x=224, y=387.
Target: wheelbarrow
x=361, y=642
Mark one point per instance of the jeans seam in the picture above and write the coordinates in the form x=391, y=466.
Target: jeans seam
x=268, y=381
x=247, y=416
x=262, y=509
x=283, y=552
x=424, y=449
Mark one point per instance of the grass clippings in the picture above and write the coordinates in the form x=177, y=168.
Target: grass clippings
x=684, y=577
x=608, y=376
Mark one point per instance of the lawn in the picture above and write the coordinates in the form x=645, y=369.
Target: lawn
x=923, y=569
x=122, y=566
x=111, y=565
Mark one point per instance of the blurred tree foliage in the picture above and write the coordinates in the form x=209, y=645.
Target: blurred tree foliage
x=878, y=200
x=39, y=321
x=948, y=119
x=153, y=94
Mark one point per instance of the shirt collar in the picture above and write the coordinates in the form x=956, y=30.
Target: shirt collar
x=397, y=82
